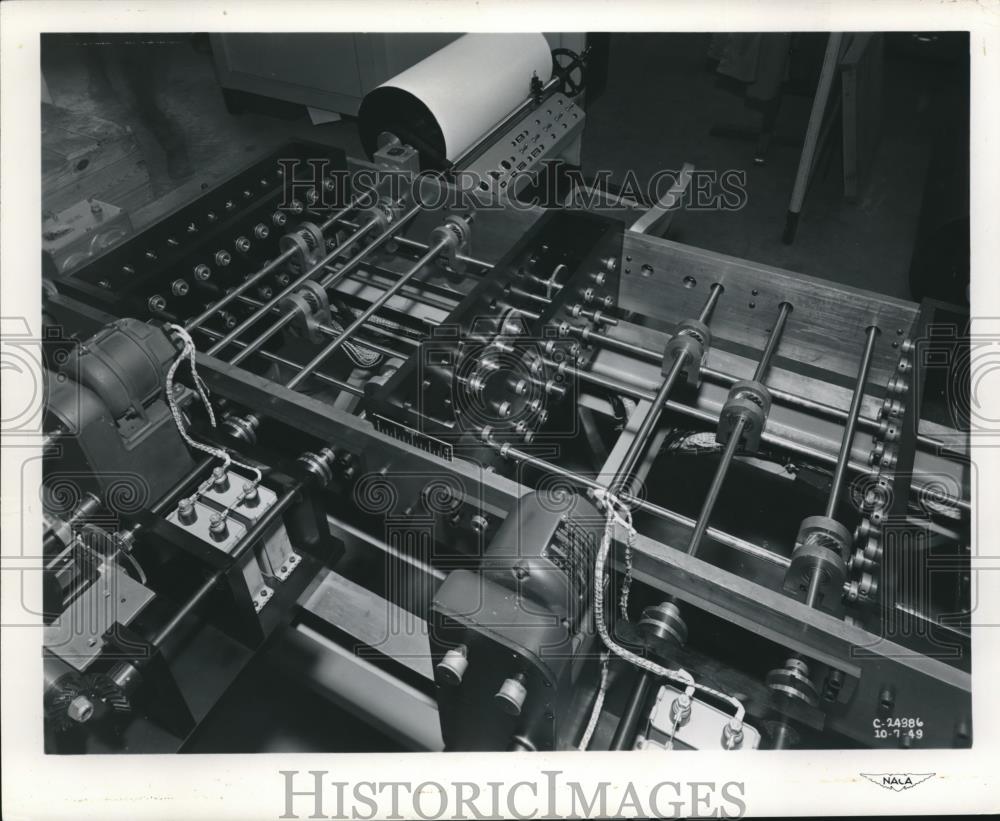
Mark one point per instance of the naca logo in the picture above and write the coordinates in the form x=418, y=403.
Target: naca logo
x=897, y=781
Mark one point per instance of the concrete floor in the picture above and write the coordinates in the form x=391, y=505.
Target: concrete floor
x=660, y=103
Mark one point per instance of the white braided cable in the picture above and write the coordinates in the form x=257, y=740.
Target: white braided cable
x=626, y=588
x=595, y=714
x=187, y=354
x=618, y=513
x=360, y=355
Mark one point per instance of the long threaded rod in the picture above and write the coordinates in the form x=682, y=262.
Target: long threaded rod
x=270, y=267
x=292, y=286
x=840, y=471
x=646, y=428
x=327, y=282
x=363, y=317
x=773, y=339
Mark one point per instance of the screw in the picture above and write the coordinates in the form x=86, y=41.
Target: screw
x=261, y=231
x=186, y=511
x=680, y=709
x=179, y=287
x=220, y=478
x=223, y=258
x=512, y=694
x=250, y=495
x=217, y=527
x=202, y=272
x=732, y=734
x=886, y=700
x=452, y=667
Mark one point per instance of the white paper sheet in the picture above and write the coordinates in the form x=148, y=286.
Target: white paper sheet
x=475, y=81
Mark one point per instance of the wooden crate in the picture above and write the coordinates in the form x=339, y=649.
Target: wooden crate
x=85, y=157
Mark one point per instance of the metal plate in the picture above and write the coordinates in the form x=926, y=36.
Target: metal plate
x=76, y=636
x=375, y=622
x=199, y=527
x=541, y=133
x=702, y=730
x=226, y=497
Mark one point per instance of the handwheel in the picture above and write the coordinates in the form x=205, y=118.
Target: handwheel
x=571, y=62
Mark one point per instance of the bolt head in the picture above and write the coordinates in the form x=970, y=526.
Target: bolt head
x=80, y=709
x=452, y=667
x=511, y=696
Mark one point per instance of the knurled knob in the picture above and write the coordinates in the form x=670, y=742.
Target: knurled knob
x=452, y=667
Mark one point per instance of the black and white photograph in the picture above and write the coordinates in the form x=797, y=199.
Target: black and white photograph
x=408, y=412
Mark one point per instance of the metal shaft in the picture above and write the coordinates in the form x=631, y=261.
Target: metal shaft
x=363, y=317
x=840, y=471
x=712, y=496
x=292, y=286
x=707, y=417
x=269, y=268
x=783, y=738
x=814, y=587
x=790, y=400
x=634, y=712
x=737, y=433
x=773, y=340
x=330, y=331
x=727, y=539
x=329, y=281
x=280, y=360
x=648, y=424
x=417, y=245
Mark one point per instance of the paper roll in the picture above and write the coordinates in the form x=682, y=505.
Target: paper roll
x=448, y=101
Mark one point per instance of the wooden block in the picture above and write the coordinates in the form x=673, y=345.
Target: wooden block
x=668, y=281
x=75, y=236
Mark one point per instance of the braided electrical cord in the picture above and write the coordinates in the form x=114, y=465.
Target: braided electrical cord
x=357, y=353
x=188, y=354
x=598, y=703
x=619, y=514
